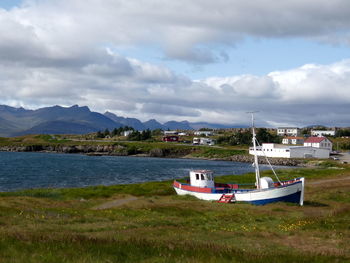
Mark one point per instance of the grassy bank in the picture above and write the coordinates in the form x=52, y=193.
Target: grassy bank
x=60, y=143
x=89, y=225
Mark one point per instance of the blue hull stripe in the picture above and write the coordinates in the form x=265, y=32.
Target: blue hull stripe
x=293, y=198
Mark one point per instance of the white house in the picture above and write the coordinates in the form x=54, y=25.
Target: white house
x=203, y=141
x=322, y=133
x=182, y=134
x=288, y=131
x=281, y=151
x=206, y=141
x=293, y=140
x=205, y=133
x=319, y=142
x=127, y=133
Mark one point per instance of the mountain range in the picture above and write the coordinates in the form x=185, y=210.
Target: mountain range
x=79, y=120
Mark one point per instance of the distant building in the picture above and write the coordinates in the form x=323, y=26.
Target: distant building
x=322, y=133
x=203, y=133
x=319, y=142
x=282, y=151
x=203, y=141
x=182, y=133
x=127, y=133
x=293, y=140
x=170, y=132
x=171, y=138
x=288, y=131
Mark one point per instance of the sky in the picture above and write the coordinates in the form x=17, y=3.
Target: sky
x=195, y=60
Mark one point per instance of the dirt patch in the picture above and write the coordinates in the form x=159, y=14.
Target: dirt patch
x=115, y=203
x=327, y=181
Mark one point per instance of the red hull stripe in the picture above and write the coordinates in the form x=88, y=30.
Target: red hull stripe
x=196, y=189
x=192, y=188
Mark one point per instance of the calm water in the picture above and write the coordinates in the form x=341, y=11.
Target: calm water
x=39, y=170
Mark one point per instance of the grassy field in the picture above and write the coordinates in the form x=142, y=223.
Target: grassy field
x=155, y=149
x=99, y=224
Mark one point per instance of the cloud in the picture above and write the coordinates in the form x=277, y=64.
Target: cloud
x=301, y=96
x=317, y=83
x=65, y=52
x=196, y=31
x=170, y=110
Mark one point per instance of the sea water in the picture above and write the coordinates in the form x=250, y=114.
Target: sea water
x=25, y=170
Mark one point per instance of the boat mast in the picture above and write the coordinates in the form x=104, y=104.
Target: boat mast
x=256, y=163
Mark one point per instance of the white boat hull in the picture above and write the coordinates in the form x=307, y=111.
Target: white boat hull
x=292, y=192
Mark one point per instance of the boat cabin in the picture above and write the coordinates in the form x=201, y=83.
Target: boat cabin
x=202, y=178
x=266, y=182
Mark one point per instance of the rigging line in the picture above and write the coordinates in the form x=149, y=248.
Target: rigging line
x=273, y=170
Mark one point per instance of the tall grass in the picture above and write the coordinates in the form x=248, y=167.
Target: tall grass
x=68, y=225
x=81, y=249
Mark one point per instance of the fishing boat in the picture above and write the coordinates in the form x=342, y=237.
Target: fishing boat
x=201, y=185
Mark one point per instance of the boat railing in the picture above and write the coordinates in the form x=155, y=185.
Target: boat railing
x=287, y=182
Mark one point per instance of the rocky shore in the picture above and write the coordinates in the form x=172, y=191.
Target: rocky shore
x=119, y=150
x=83, y=149
x=262, y=160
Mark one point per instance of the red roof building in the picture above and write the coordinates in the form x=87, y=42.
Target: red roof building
x=318, y=142
x=171, y=138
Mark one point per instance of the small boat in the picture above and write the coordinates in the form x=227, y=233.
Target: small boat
x=201, y=185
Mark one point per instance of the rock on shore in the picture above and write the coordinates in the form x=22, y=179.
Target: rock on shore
x=119, y=150
x=262, y=160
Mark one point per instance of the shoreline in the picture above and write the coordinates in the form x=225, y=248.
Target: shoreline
x=112, y=150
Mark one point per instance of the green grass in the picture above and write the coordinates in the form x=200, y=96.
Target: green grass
x=67, y=225
x=213, y=152
x=142, y=189
x=81, y=249
x=157, y=149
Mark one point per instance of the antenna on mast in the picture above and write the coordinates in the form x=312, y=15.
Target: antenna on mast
x=252, y=113
x=256, y=163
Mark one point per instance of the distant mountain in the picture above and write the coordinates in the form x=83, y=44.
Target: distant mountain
x=178, y=125
x=153, y=124
x=131, y=122
x=80, y=120
x=7, y=127
x=58, y=127
x=15, y=121
x=199, y=125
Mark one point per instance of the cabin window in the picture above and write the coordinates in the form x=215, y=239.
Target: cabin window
x=197, y=176
x=202, y=177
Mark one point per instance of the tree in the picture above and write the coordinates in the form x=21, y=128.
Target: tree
x=263, y=136
x=157, y=132
x=106, y=132
x=99, y=134
x=145, y=135
x=134, y=136
x=342, y=132
x=236, y=139
x=115, y=132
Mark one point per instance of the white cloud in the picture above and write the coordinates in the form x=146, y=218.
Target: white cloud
x=184, y=29
x=315, y=83
x=300, y=96
x=63, y=52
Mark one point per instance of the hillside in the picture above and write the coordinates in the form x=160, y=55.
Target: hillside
x=80, y=120
x=56, y=119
